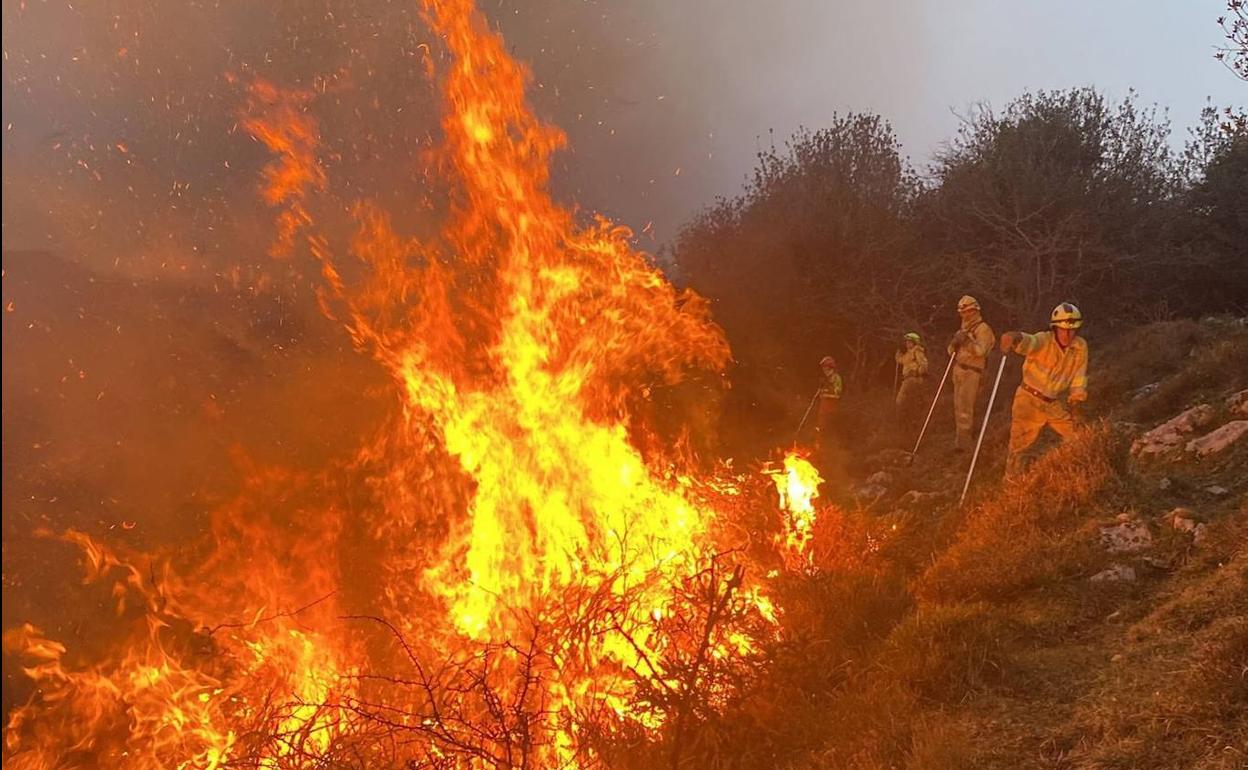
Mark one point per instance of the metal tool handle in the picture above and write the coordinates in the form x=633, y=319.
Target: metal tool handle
x=982, y=430
x=932, y=409
x=802, y=424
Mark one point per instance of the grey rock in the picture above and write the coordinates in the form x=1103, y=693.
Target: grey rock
x=1145, y=391
x=1115, y=574
x=1219, y=440
x=1238, y=404
x=1169, y=437
x=880, y=478
x=1200, y=534
x=1126, y=537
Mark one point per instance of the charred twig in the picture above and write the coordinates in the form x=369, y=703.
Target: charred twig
x=267, y=618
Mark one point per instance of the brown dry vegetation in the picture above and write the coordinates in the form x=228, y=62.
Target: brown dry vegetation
x=974, y=639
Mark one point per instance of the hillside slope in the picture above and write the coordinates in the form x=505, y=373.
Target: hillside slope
x=1080, y=617
x=1091, y=615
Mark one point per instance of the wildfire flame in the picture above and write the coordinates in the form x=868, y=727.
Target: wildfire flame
x=797, y=486
x=533, y=567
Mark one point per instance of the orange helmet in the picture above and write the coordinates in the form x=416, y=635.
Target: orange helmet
x=827, y=362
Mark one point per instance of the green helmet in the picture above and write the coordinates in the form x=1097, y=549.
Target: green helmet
x=914, y=337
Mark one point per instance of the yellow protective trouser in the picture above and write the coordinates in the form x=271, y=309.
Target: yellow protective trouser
x=965, y=390
x=909, y=399
x=1027, y=418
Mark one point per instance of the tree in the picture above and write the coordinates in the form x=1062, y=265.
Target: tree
x=1059, y=196
x=810, y=259
x=1215, y=235
x=1235, y=24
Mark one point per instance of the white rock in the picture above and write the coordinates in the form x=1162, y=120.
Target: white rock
x=1182, y=519
x=1147, y=390
x=1184, y=524
x=880, y=478
x=1220, y=439
x=1165, y=483
x=1238, y=403
x=1126, y=537
x=1200, y=534
x=1171, y=434
x=1217, y=491
x=1116, y=573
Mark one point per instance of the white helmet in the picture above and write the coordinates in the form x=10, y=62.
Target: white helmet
x=1066, y=316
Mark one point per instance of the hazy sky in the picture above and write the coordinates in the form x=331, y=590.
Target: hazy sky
x=120, y=115
x=731, y=71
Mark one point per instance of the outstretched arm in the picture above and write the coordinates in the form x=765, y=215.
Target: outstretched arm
x=1021, y=343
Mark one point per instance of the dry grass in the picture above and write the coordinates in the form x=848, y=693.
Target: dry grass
x=1173, y=700
x=1188, y=362
x=1145, y=355
x=945, y=652
x=1029, y=534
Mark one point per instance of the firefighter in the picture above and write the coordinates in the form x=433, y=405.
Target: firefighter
x=829, y=397
x=913, y=363
x=970, y=347
x=1055, y=365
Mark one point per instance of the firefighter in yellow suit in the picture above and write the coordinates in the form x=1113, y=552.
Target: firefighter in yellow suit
x=1055, y=365
x=969, y=348
x=913, y=363
x=829, y=398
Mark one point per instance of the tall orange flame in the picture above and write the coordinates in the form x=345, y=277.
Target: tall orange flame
x=534, y=567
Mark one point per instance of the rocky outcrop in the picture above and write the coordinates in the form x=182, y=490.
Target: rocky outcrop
x=1118, y=573
x=1126, y=536
x=1219, y=440
x=1237, y=404
x=1171, y=436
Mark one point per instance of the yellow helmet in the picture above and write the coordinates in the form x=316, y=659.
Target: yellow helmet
x=1066, y=316
x=968, y=303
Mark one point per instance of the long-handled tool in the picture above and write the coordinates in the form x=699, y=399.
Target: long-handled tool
x=983, y=428
x=802, y=424
x=919, y=440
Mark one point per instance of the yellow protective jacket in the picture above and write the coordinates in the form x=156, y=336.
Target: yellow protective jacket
x=974, y=352
x=913, y=362
x=1052, y=371
x=832, y=386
